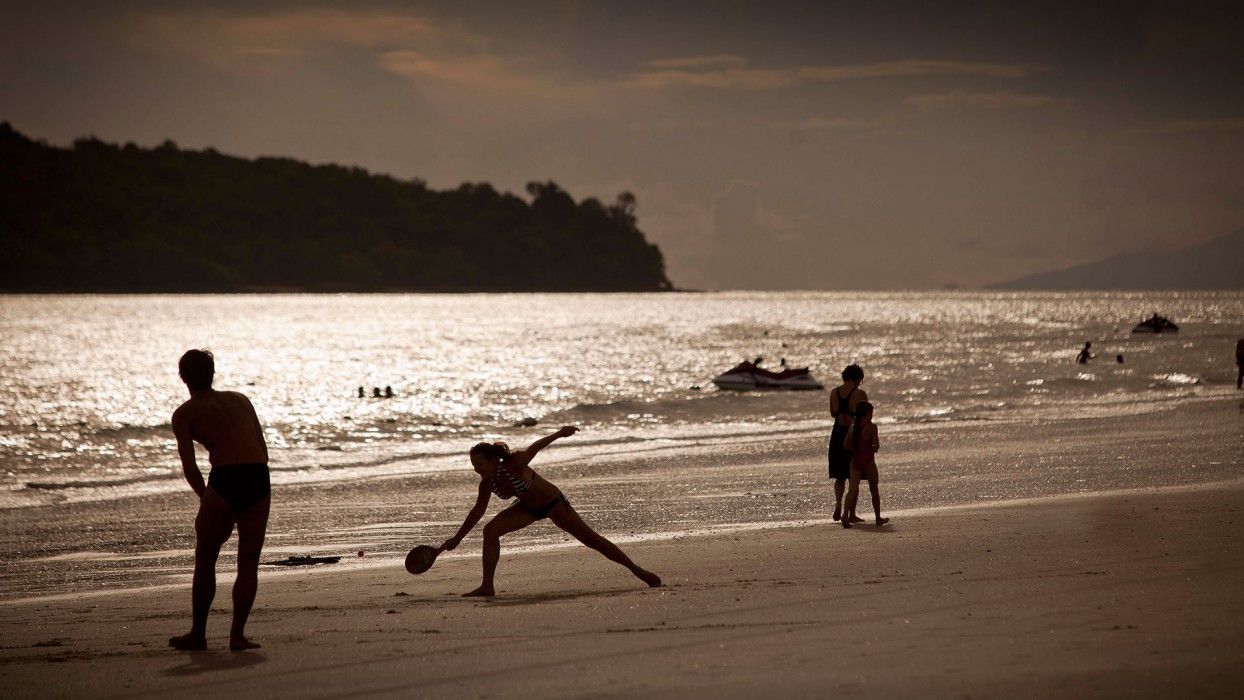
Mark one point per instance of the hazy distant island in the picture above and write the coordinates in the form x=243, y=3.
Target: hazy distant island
x=99, y=217
x=1216, y=264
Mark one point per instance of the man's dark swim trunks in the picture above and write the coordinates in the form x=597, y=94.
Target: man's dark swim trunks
x=241, y=485
x=839, y=455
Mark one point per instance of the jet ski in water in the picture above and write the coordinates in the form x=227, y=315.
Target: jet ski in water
x=746, y=376
x=1156, y=324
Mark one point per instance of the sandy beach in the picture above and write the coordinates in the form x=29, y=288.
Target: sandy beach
x=1135, y=594
x=1084, y=591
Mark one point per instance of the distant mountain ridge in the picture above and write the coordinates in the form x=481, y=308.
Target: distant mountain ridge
x=99, y=217
x=1215, y=264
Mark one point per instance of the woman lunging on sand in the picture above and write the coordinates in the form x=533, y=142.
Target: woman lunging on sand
x=508, y=474
x=863, y=442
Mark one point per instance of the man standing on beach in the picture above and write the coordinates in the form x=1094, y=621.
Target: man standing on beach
x=236, y=493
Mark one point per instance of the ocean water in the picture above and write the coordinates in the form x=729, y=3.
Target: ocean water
x=90, y=381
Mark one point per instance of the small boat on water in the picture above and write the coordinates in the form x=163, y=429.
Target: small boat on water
x=1156, y=324
x=746, y=376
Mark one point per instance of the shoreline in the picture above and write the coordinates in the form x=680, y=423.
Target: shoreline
x=1114, y=595
x=144, y=541
x=654, y=445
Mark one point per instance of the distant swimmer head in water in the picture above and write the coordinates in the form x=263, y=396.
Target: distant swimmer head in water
x=488, y=453
x=197, y=367
x=853, y=373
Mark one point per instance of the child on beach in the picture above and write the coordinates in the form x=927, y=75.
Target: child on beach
x=863, y=442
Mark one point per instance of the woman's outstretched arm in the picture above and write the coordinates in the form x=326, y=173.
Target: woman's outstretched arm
x=477, y=512
x=525, y=456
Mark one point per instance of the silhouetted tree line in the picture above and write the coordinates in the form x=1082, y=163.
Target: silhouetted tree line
x=105, y=218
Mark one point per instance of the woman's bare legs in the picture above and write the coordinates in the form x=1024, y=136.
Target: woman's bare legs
x=509, y=520
x=565, y=517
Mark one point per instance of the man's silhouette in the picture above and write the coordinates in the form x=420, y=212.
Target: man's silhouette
x=236, y=493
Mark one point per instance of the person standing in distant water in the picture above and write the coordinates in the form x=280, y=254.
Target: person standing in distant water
x=1086, y=354
x=843, y=401
x=362, y=394
x=388, y=392
x=863, y=442
x=237, y=492
x=1239, y=363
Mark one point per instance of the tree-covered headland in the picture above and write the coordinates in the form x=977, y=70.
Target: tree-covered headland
x=99, y=217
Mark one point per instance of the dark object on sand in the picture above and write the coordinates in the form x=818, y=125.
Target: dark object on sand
x=420, y=559
x=303, y=561
x=1156, y=324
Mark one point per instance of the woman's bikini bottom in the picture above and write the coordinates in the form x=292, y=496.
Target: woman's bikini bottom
x=542, y=512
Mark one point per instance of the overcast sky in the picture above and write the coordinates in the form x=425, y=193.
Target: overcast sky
x=770, y=145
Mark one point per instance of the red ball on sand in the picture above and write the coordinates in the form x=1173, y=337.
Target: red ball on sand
x=420, y=558
x=360, y=552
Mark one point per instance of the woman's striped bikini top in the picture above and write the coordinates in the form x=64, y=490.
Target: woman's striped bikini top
x=517, y=485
